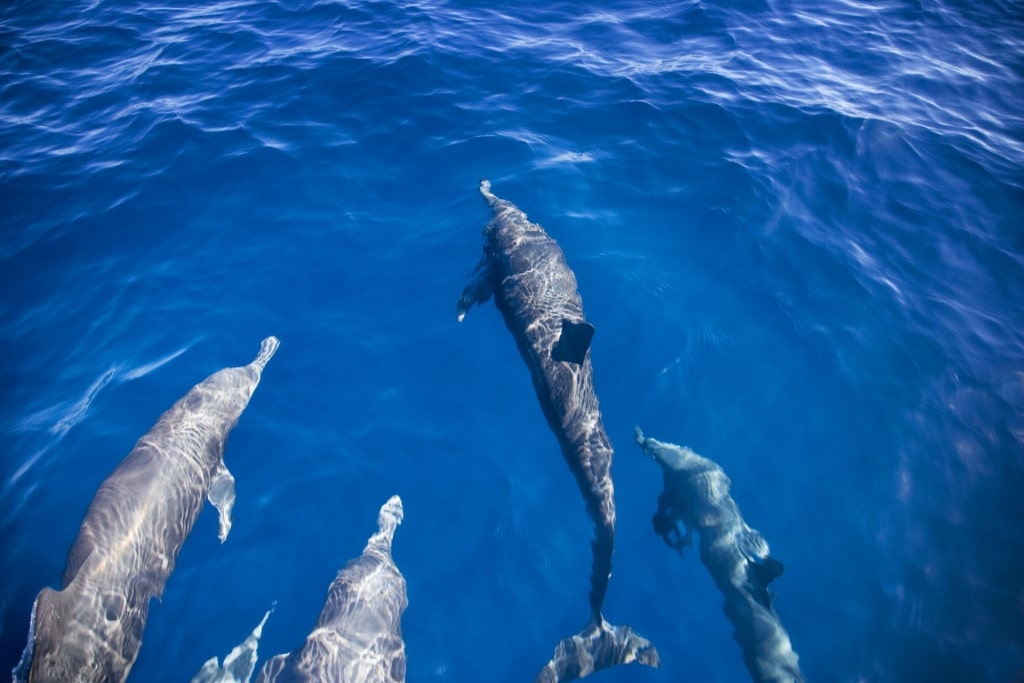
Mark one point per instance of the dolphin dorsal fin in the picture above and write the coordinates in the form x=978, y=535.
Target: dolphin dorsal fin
x=767, y=571
x=759, y=576
x=573, y=342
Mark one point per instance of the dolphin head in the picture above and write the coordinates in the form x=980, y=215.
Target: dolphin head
x=670, y=456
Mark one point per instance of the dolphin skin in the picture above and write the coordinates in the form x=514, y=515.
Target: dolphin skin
x=696, y=494
x=525, y=271
x=91, y=629
x=358, y=637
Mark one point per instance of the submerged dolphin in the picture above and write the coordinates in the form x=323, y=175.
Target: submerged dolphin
x=91, y=629
x=535, y=290
x=238, y=664
x=358, y=637
x=696, y=494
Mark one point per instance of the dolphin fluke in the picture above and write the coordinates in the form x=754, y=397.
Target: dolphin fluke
x=599, y=646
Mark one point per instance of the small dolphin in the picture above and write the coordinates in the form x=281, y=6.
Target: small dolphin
x=91, y=629
x=358, y=638
x=238, y=664
x=696, y=495
x=535, y=290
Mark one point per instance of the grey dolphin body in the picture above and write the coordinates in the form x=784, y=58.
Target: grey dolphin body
x=535, y=290
x=696, y=494
x=91, y=629
x=238, y=664
x=358, y=637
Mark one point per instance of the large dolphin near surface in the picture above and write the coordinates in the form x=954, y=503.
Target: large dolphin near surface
x=696, y=494
x=358, y=637
x=525, y=271
x=91, y=629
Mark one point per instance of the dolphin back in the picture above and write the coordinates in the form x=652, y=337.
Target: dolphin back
x=84, y=636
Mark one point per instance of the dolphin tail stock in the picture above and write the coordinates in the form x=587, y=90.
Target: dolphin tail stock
x=598, y=646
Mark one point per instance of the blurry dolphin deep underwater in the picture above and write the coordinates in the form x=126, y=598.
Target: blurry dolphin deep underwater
x=796, y=228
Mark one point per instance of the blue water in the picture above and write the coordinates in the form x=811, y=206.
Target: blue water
x=796, y=226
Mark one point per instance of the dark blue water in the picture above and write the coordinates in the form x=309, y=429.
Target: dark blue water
x=796, y=226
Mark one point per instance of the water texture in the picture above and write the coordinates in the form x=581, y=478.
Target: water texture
x=796, y=227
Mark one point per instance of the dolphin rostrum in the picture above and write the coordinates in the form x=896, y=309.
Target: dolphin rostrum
x=535, y=290
x=358, y=637
x=696, y=494
x=91, y=629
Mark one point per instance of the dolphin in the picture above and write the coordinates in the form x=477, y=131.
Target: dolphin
x=696, y=495
x=525, y=271
x=358, y=637
x=238, y=664
x=91, y=629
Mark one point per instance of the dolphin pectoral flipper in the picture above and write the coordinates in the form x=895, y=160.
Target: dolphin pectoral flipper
x=479, y=289
x=574, y=342
x=222, y=495
x=599, y=646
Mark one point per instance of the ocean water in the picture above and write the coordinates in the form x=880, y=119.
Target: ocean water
x=797, y=226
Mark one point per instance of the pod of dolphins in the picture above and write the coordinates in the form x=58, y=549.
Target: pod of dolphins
x=90, y=631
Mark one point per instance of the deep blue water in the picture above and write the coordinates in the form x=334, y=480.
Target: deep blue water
x=796, y=226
